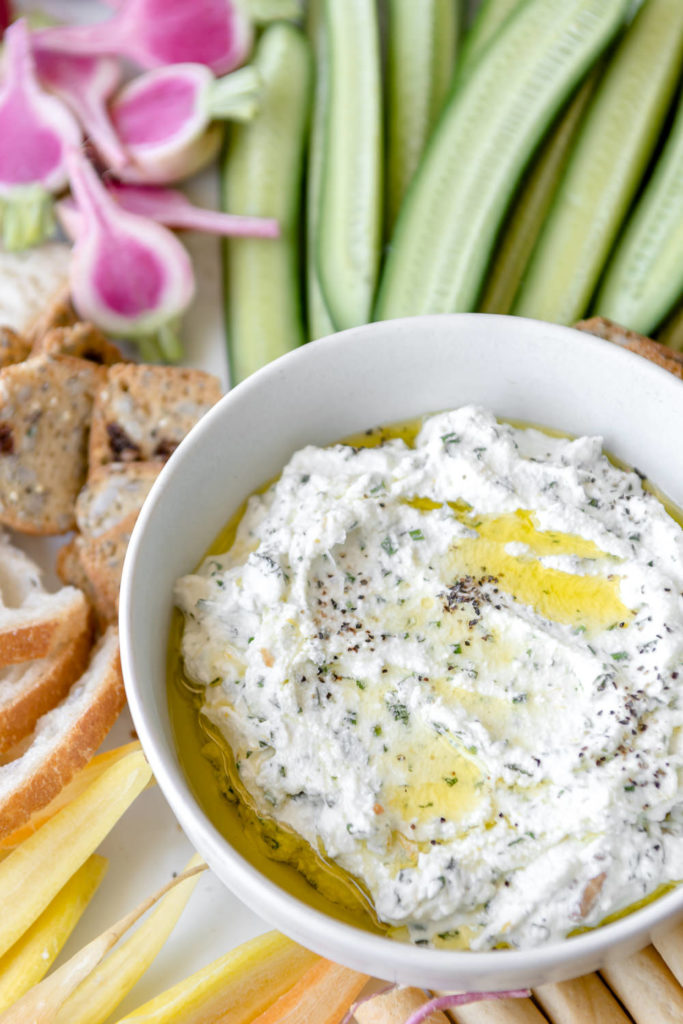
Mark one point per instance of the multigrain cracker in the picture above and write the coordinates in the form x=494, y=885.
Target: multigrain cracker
x=13, y=347
x=112, y=492
x=45, y=409
x=83, y=340
x=144, y=412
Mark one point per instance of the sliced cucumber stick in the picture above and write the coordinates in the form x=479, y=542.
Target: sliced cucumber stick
x=531, y=205
x=421, y=47
x=606, y=166
x=262, y=177
x=489, y=17
x=351, y=185
x=489, y=129
x=319, y=321
x=671, y=333
x=644, y=278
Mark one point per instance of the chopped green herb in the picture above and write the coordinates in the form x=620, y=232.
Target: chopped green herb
x=620, y=655
x=450, y=780
x=417, y=534
x=388, y=546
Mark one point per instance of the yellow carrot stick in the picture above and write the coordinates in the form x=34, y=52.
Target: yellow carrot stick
x=30, y=958
x=81, y=780
x=101, y=992
x=233, y=989
x=322, y=996
x=35, y=871
x=41, y=1003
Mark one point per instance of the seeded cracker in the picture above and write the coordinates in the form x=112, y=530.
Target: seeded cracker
x=83, y=340
x=112, y=493
x=13, y=347
x=45, y=408
x=144, y=412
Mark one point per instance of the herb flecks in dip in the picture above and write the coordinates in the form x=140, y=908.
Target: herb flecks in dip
x=454, y=668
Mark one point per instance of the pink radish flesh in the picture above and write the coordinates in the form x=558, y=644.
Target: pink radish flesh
x=38, y=125
x=163, y=118
x=85, y=84
x=157, y=32
x=132, y=283
x=156, y=114
x=129, y=275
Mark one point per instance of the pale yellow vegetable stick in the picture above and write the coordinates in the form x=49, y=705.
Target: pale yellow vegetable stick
x=497, y=1011
x=30, y=958
x=584, y=1000
x=41, y=1003
x=81, y=780
x=670, y=948
x=646, y=987
x=35, y=872
x=233, y=989
x=98, y=996
x=395, y=1007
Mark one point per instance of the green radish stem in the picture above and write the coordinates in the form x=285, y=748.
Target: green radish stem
x=319, y=321
x=607, y=163
x=485, y=137
x=531, y=205
x=644, y=278
x=421, y=49
x=234, y=97
x=489, y=17
x=350, y=215
x=262, y=177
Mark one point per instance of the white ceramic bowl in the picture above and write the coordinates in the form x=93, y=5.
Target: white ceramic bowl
x=384, y=372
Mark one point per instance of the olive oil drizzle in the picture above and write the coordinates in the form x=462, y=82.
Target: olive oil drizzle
x=208, y=762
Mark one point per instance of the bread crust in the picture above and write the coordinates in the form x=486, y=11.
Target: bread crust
x=94, y=710
x=48, y=684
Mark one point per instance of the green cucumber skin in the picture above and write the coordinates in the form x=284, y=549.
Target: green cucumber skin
x=350, y=212
x=671, y=332
x=606, y=166
x=485, y=137
x=531, y=205
x=489, y=17
x=421, y=53
x=262, y=176
x=319, y=321
x=644, y=277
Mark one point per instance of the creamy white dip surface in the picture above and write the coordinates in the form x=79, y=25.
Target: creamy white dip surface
x=455, y=669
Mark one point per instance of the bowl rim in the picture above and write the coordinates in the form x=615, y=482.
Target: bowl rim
x=257, y=890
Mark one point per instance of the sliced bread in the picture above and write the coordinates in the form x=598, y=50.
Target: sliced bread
x=33, y=622
x=144, y=412
x=112, y=493
x=45, y=408
x=32, y=688
x=65, y=738
x=30, y=280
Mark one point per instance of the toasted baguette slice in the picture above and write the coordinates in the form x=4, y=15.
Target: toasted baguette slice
x=33, y=622
x=33, y=688
x=82, y=340
x=65, y=738
x=45, y=408
x=665, y=357
x=34, y=281
x=112, y=493
x=144, y=412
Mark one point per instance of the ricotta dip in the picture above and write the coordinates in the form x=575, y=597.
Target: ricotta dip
x=454, y=668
